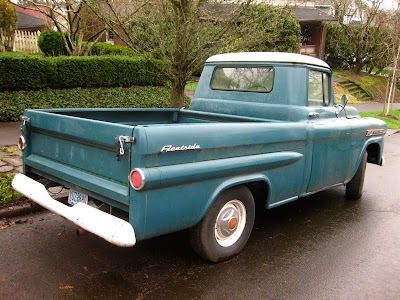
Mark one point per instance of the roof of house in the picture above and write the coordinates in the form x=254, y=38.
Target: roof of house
x=311, y=14
x=26, y=21
x=268, y=57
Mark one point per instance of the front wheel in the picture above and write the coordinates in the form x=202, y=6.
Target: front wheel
x=226, y=227
x=354, y=188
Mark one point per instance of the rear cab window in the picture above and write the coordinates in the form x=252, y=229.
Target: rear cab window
x=244, y=79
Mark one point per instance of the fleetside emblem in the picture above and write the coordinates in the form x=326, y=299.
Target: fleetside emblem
x=170, y=148
x=374, y=132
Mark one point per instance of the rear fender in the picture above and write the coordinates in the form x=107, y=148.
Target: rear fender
x=232, y=182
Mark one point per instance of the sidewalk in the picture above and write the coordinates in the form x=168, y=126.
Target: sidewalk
x=372, y=105
x=9, y=133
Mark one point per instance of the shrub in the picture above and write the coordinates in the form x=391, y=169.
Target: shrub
x=339, y=52
x=108, y=49
x=273, y=29
x=51, y=43
x=32, y=72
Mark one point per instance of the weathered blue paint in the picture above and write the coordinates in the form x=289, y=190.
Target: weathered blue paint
x=242, y=138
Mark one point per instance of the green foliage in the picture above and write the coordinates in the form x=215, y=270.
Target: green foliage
x=381, y=51
x=12, y=104
x=7, y=193
x=8, y=23
x=392, y=122
x=33, y=72
x=51, y=43
x=108, y=49
x=273, y=29
x=338, y=49
x=373, y=49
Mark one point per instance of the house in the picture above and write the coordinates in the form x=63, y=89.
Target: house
x=313, y=22
x=31, y=20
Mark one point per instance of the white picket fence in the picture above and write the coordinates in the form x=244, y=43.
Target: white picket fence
x=26, y=41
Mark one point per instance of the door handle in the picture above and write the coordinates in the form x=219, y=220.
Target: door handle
x=313, y=114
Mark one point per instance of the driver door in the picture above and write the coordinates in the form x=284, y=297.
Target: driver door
x=331, y=135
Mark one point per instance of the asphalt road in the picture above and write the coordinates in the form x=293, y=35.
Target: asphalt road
x=320, y=247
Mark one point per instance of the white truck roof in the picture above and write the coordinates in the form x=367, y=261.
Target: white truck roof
x=268, y=57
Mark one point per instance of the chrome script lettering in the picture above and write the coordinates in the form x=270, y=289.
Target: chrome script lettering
x=170, y=148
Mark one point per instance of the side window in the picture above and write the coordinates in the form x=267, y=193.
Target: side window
x=318, y=89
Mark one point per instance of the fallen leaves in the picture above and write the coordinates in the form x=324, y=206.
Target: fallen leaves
x=4, y=224
x=66, y=287
x=24, y=221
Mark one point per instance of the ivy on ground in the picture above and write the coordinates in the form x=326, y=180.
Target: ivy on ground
x=7, y=193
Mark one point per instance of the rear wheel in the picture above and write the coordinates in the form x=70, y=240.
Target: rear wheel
x=226, y=227
x=354, y=189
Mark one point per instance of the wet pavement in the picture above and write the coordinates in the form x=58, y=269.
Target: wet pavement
x=320, y=247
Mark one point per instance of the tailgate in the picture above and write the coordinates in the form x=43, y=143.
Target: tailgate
x=80, y=154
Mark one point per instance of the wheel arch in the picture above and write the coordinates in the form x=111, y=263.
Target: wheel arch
x=374, y=152
x=253, y=183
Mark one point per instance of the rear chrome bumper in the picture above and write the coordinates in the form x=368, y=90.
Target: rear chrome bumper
x=112, y=229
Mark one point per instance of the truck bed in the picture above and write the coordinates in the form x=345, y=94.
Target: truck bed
x=77, y=147
x=155, y=116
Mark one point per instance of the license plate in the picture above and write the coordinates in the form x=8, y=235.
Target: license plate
x=75, y=197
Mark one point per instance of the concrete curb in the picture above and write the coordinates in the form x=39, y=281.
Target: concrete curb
x=20, y=210
x=28, y=208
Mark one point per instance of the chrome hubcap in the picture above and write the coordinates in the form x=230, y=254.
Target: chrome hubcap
x=230, y=223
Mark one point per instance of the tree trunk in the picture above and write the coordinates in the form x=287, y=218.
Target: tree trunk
x=358, y=66
x=390, y=97
x=178, y=92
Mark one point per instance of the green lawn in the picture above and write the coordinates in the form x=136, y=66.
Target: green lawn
x=391, y=122
x=191, y=85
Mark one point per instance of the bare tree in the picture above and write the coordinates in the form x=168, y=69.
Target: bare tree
x=362, y=21
x=175, y=36
x=394, y=24
x=72, y=20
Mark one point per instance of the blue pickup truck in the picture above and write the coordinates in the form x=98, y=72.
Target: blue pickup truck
x=262, y=127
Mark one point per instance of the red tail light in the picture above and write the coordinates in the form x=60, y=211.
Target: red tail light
x=137, y=179
x=21, y=143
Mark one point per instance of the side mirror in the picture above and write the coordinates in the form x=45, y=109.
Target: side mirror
x=344, y=100
x=342, y=105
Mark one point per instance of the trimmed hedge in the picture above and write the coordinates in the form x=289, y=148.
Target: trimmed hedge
x=12, y=104
x=51, y=43
x=101, y=48
x=33, y=72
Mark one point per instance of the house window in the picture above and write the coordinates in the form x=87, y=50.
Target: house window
x=110, y=37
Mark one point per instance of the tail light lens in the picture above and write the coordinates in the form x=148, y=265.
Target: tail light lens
x=21, y=142
x=137, y=179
